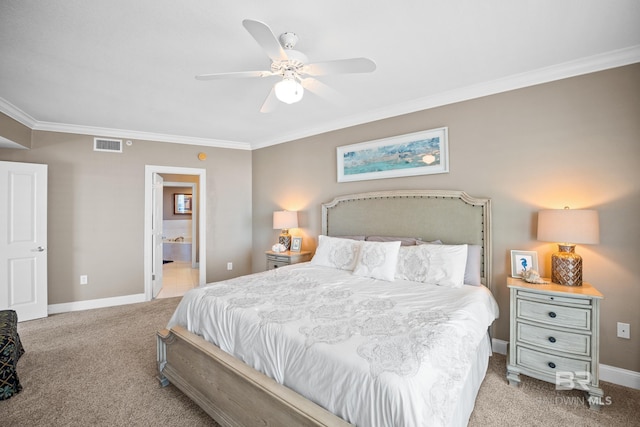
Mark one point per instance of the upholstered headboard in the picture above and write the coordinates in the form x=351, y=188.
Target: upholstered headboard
x=451, y=216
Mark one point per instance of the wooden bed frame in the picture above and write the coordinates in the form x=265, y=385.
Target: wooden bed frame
x=233, y=393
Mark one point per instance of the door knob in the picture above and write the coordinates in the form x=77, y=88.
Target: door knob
x=38, y=249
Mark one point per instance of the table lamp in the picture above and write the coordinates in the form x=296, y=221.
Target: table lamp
x=284, y=220
x=569, y=226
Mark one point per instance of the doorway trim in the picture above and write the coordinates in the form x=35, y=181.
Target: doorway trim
x=149, y=170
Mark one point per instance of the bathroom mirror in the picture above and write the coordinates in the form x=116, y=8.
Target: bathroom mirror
x=182, y=203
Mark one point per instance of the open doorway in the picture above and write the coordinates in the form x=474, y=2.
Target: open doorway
x=187, y=268
x=180, y=268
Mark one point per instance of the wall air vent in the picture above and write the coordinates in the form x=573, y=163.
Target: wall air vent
x=108, y=145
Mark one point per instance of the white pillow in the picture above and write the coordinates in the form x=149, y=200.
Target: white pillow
x=377, y=260
x=336, y=253
x=473, y=270
x=442, y=265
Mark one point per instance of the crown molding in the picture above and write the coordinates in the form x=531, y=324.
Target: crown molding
x=137, y=135
x=592, y=64
x=17, y=114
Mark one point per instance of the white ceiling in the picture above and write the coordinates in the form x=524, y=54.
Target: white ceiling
x=126, y=68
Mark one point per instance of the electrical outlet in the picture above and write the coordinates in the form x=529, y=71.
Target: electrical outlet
x=229, y=266
x=624, y=330
x=84, y=279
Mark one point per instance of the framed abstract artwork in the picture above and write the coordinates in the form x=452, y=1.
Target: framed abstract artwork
x=418, y=153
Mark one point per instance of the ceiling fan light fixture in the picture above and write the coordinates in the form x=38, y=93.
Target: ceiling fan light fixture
x=289, y=91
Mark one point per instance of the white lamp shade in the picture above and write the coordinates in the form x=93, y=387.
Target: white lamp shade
x=284, y=220
x=569, y=226
x=289, y=91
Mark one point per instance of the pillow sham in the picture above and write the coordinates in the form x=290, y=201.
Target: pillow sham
x=404, y=241
x=336, y=252
x=377, y=260
x=442, y=265
x=473, y=268
x=351, y=237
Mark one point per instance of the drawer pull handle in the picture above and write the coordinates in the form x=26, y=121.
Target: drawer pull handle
x=552, y=339
x=552, y=315
x=552, y=365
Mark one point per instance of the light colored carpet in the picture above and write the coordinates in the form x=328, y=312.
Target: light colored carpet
x=537, y=403
x=97, y=367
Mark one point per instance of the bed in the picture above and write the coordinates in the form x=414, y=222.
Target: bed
x=337, y=341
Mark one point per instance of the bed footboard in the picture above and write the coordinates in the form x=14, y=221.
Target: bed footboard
x=231, y=392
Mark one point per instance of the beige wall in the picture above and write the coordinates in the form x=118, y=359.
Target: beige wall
x=15, y=131
x=96, y=211
x=573, y=142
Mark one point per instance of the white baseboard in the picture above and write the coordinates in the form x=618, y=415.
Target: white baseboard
x=95, y=303
x=499, y=346
x=620, y=376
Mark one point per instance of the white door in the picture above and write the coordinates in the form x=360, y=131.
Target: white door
x=156, y=233
x=23, y=239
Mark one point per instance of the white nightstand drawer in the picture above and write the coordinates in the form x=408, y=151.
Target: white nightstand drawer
x=557, y=315
x=549, y=363
x=271, y=264
x=554, y=298
x=575, y=343
x=278, y=258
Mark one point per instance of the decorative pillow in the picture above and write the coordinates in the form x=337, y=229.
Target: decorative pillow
x=336, y=252
x=404, y=241
x=442, y=265
x=378, y=260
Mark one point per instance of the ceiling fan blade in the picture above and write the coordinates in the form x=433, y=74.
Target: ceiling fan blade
x=270, y=103
x=266, y=39
x=235, y=75
x=340, y=66
x=323, y=91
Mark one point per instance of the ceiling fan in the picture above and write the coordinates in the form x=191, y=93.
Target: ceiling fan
x=293, y=67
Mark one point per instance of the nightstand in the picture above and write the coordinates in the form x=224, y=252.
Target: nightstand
x=555, y=336
x=280, y=259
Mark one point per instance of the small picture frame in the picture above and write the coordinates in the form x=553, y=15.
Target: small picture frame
x=523, y=261
x=296, y=244
x=182, y=204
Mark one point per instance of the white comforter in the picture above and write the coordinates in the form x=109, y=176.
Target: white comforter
x=375, y=353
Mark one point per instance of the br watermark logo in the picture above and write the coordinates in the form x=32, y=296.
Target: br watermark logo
x=568, y=380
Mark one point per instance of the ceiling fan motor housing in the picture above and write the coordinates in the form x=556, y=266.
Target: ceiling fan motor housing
x=288, y=40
